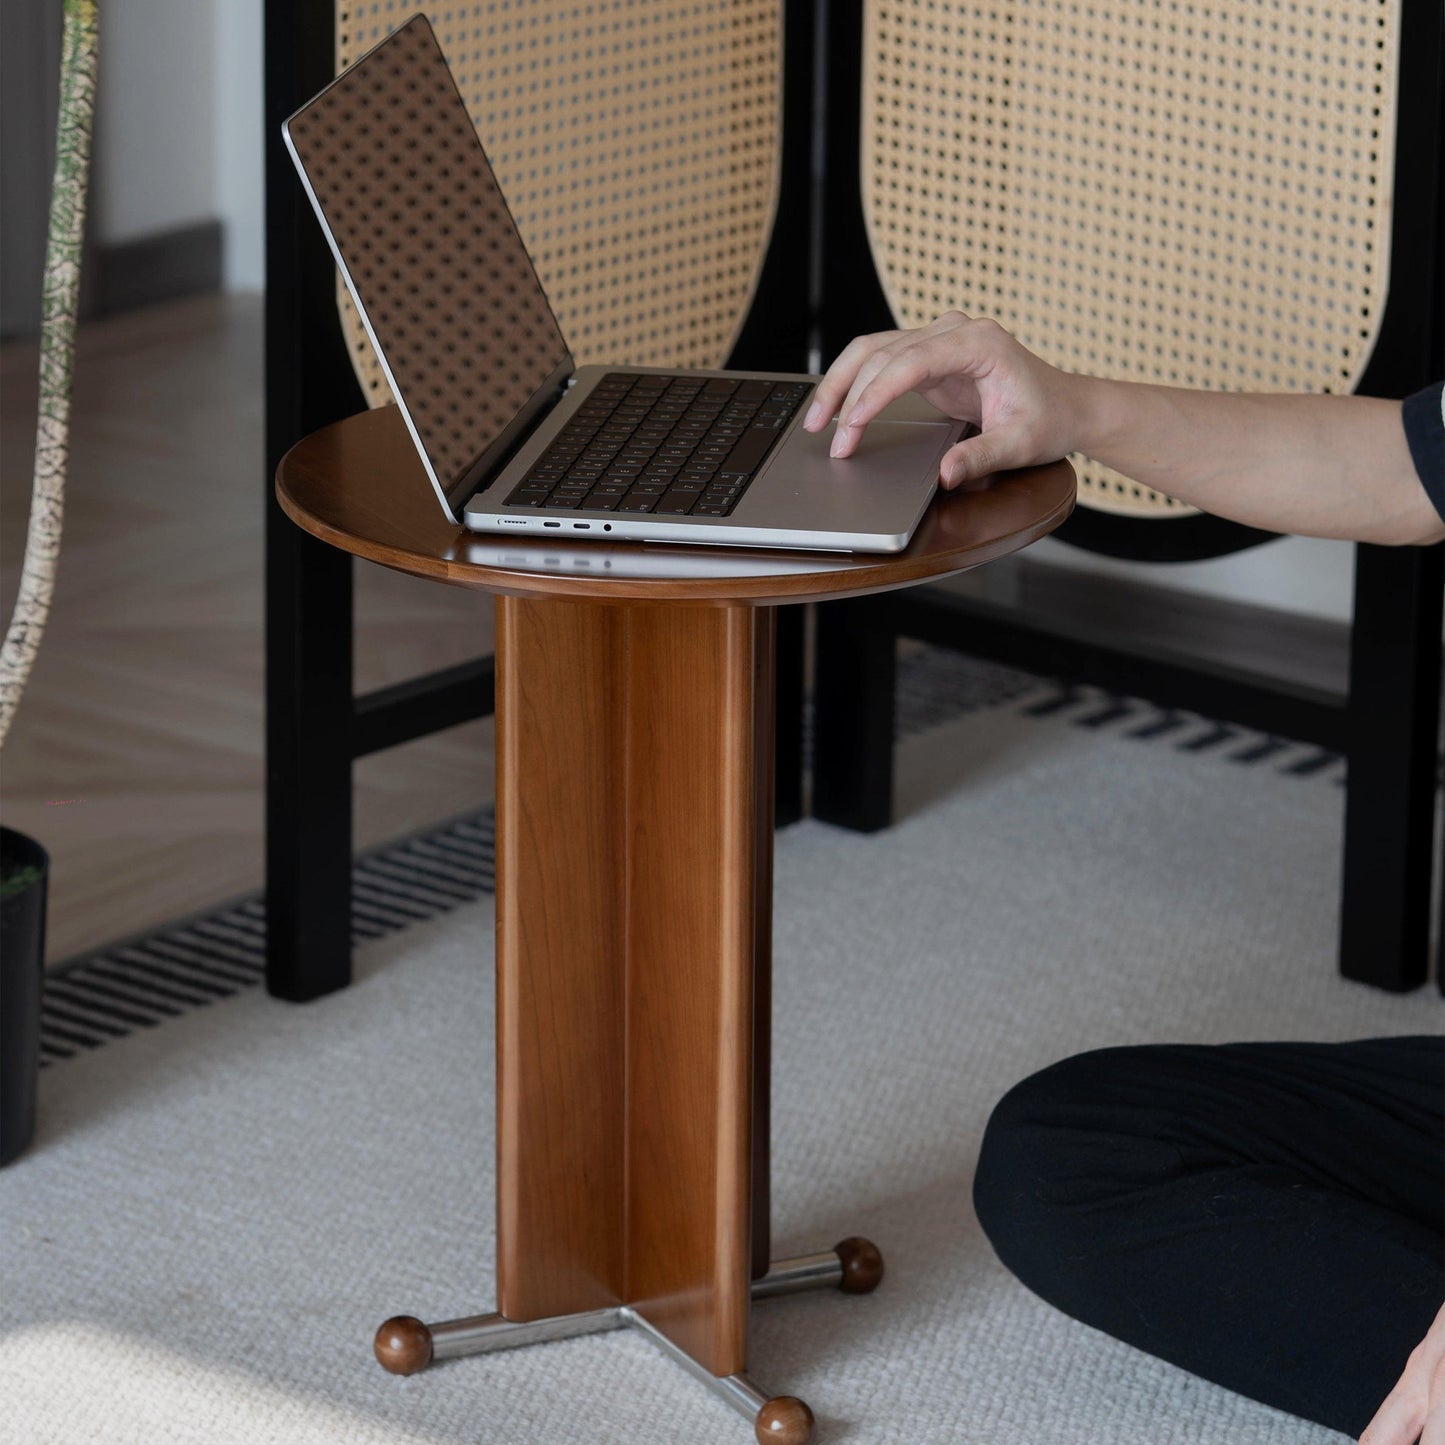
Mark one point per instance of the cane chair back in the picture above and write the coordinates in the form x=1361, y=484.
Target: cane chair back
x=1195, y=194
x=638, y=148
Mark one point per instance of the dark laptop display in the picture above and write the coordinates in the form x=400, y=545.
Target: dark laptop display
x=453, y=305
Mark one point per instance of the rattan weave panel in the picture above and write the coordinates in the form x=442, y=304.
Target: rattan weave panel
x=637, y=143
x=1190, y=192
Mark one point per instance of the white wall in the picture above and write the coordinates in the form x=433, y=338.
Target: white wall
x=240, y=190
x=1296, y=574
x=178, y=125
x=155, y=119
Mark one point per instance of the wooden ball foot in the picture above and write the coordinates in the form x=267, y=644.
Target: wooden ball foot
x=862, y=1265
x=403, y=1345
x=784, y=1420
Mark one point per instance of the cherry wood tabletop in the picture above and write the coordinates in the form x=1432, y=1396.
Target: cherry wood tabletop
x=359, y=485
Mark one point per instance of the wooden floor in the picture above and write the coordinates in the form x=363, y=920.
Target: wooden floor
x=136, y=755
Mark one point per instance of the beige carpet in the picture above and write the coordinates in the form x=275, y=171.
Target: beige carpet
x=218, y=1211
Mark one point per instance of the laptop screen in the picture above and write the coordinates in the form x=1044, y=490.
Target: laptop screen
x=431, y=255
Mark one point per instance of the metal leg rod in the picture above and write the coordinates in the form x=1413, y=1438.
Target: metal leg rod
x=483, y=1334
x=404, y=1344
x=853, y=1265
x=737, y=1390
x=793, y=1276
x=776, y=1419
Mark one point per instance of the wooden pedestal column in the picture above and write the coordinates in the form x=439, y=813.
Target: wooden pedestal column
x=634, y=762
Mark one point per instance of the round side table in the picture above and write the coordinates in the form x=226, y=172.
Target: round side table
x=634, y=758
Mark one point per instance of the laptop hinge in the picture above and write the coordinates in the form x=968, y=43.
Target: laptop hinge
x=479, y=474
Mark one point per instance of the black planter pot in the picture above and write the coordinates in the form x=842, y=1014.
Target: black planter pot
x=24, y=874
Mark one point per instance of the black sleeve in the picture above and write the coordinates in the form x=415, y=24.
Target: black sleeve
x=1424, y=418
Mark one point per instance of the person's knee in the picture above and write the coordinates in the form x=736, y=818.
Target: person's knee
x=1011, y=1181
x=1050, y=1153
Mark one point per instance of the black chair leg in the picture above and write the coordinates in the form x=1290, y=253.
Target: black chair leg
x=1394, y=713
x=308, y=764
x=854, y=690
x=309, y=382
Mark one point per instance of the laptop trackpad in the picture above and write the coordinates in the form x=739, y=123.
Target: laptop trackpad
x=890, y=477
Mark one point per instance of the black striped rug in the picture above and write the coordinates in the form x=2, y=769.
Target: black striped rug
x=142, y=982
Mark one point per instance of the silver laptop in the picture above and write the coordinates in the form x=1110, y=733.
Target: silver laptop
x=513, y=437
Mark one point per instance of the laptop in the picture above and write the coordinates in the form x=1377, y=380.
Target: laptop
x=515, y=438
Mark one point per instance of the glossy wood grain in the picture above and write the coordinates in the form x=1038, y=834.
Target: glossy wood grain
x=633, y=915
x=403, y=1345
x=359, y=485
x=561, y=957
x=693, y=904
x=784, y=1420
x=765, y=671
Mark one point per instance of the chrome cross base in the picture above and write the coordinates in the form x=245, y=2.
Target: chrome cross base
x=404, y=1345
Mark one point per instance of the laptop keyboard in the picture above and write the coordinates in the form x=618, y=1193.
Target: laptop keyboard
x=671, y=445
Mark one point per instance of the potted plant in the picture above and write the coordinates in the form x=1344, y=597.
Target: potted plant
x=23, y=862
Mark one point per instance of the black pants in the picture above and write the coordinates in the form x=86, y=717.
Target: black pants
x=1268, y=1216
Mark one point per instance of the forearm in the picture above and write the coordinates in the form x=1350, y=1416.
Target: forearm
x=1323, y=466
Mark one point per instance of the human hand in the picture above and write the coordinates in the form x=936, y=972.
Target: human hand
x=1415, y=1409
x=1026, y=410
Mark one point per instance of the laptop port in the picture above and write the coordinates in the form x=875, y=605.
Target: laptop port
x=551, y=524
x=583, y=526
